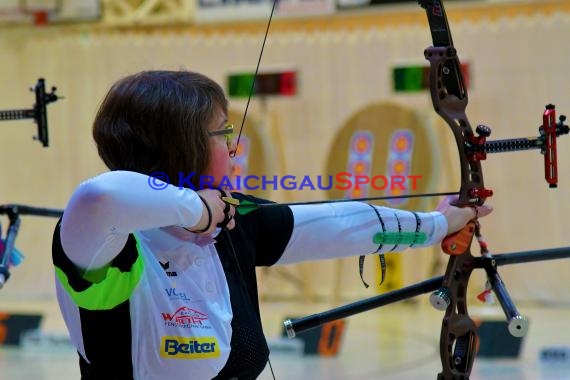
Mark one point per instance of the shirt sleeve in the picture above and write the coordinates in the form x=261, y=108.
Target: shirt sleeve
x=103, y=211
x=336, y=230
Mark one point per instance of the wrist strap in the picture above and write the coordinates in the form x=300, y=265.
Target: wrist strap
x=209, y=216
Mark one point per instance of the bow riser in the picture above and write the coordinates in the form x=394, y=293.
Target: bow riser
x=449, y=99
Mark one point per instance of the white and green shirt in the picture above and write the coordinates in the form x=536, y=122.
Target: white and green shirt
x=145, y=299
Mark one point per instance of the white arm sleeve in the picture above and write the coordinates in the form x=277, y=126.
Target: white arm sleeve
x=335, y=230
x=104, y=210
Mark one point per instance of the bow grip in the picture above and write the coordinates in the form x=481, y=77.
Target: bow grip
x=458, y=242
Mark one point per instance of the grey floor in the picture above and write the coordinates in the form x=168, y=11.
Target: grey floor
x=396, y=342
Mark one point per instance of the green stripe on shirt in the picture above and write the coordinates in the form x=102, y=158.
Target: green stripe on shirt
x=114, y=287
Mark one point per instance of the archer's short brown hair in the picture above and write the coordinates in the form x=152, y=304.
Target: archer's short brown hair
x=156, y=121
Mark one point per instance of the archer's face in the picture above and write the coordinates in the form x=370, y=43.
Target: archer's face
x=222, y=146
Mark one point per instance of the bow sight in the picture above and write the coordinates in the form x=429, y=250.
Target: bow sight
x=38, y=112
x=478, y=147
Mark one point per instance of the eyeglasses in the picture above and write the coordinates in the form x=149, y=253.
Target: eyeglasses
x=227, y=132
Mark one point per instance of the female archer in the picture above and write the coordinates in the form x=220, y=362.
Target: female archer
x=161, y=283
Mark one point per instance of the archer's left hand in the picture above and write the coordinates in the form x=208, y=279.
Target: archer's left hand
x=458, y=217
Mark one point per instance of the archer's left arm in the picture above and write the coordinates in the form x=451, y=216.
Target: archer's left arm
x=335, y=230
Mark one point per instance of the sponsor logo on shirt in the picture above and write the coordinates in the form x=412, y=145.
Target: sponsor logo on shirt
x=173, y=295
x=178, y=347
x=185, y=317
